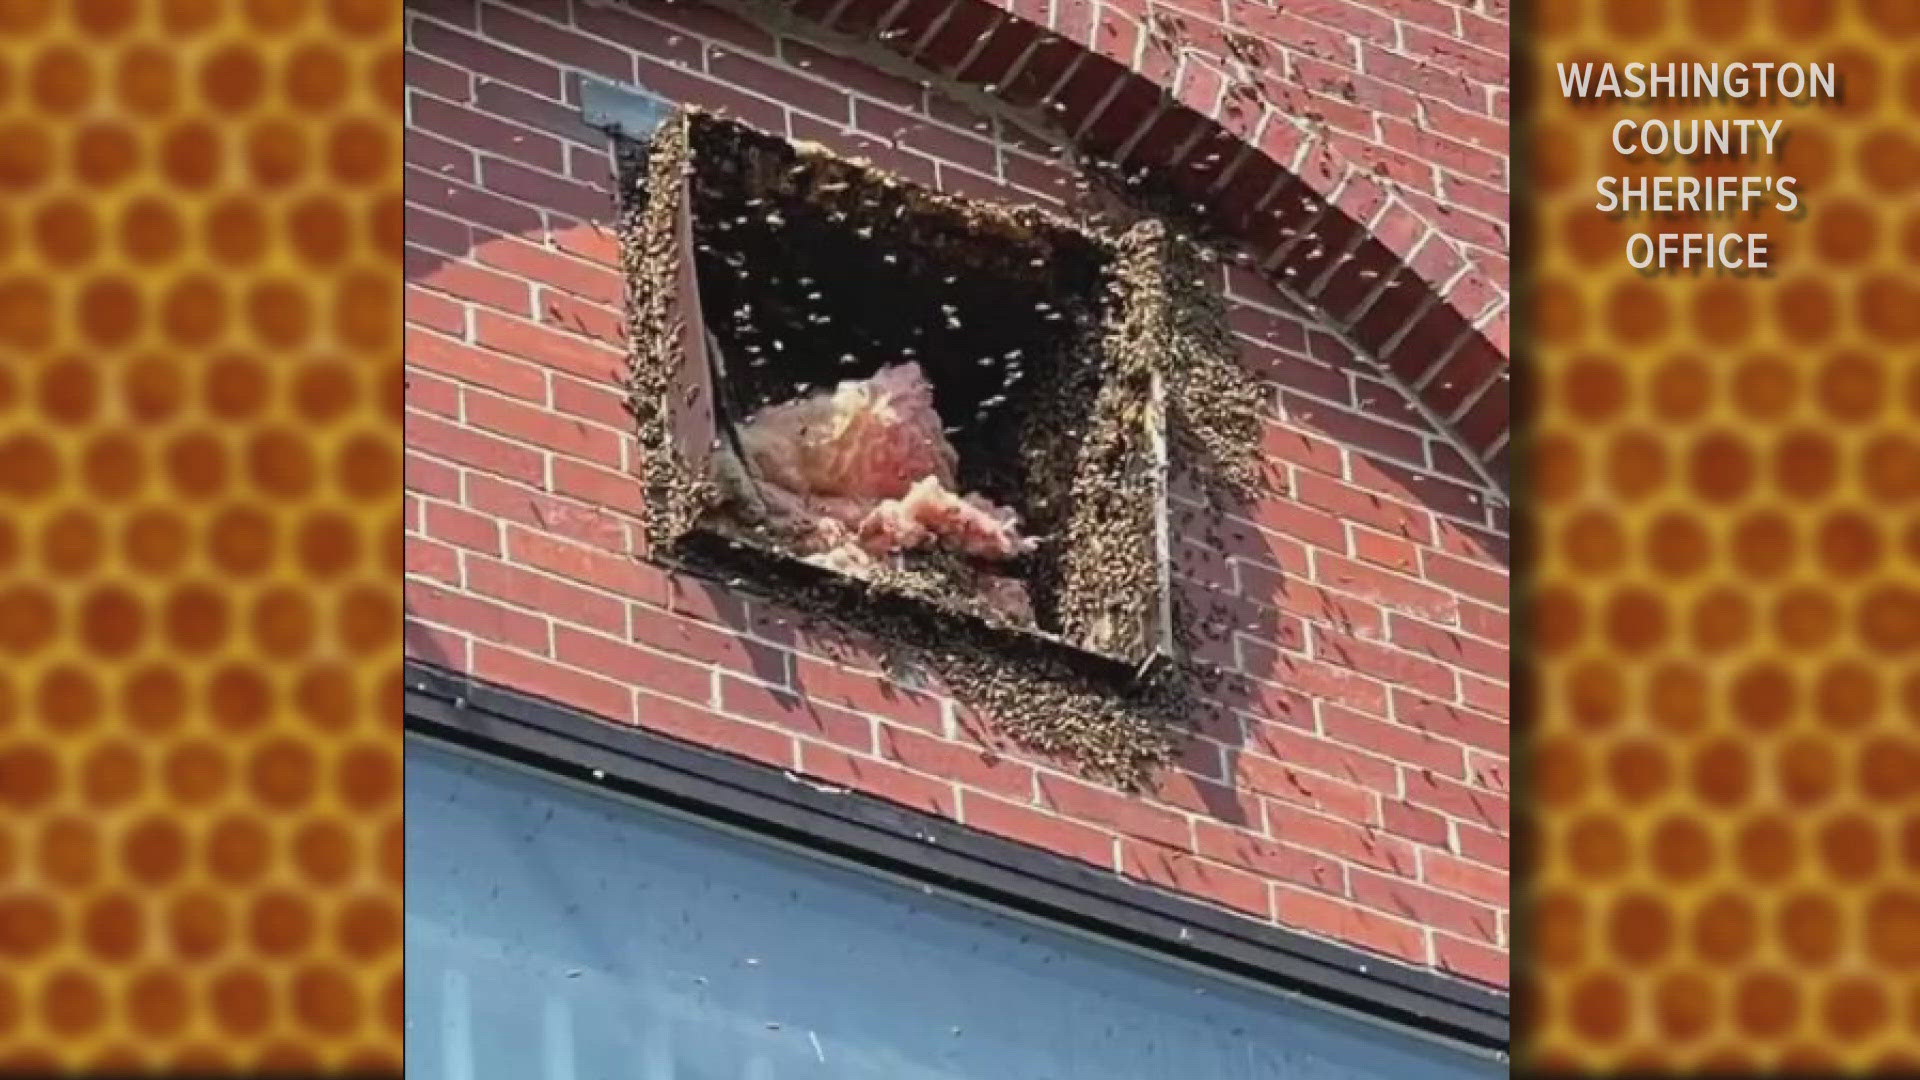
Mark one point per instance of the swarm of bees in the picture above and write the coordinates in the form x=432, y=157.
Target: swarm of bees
x=1148, y=379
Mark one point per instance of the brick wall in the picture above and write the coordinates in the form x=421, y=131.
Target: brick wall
x=1359, y=790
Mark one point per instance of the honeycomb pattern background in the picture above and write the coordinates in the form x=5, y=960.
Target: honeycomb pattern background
x=1725, y=769
x=200, y=829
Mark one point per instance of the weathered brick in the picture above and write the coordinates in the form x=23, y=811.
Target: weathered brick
x=877, y=777
x=756, y=700
x=656, y=671
x=1108, y=809
x=568, y=602
x=568, y=686
x=1345, y=921
x=476, y=54
x=1037, y=828
x=1195, y=876
x=976, y=767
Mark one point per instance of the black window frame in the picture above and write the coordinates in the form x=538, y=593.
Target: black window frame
x=779, y=805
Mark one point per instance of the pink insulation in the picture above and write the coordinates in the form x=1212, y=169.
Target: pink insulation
x=864, y=471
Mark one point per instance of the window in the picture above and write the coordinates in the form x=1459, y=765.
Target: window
x=556, y=933
x=766, y=273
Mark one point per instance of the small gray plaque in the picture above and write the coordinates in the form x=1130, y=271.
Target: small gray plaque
x=622, y=110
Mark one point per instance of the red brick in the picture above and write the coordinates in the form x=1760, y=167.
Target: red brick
x=465, y=281
x=438, y=156
x=436, y=644
x=589, y=240
x=975, y=767
x=1421, y=78
x=1344, y=839
x=1194, y=876
x=1450, y=721
x=1392, y=666
x=562, y=45
x=432, y=352
x=1352, y=429
x=425, y=393
x=863, y=693
x=1403, y=744
x=1392, y=591
x=1469, y=579
x=709, y=730
x=653, y=671
x=483, y=619
x=879, y=778
x=1122, y=813
x=1483, y=694
x=430, y=309
x=793, y=91
x=1390, y=552
x=463, y=529
x=784, y=709
x=1320, y=794
x=545, y=191
x=1344, y=921
x=557, y=433
x=1458, y=800
x=1408, y=900
x=562, y=351
x=441, y=80
x=553, y=117
x=599, y=487
x=1290, y=749
x=1480, y=164
x=957, y=36
x=1409, y=821
x=856, y=76
x=1270, y=859
x=1370, y=21
x=548, y=514
x=1342, y=500
x=1455, y=875
x=1336, y=682
x=1471, y=959
x=585, y=280
x=604, y=570
x=568, y=602
x=487, y=134
x=667, y=41
x=1450, y=647
x=476, y=450
x=1277, y=531
x=436, y=232
x=1415, y=486
x=429, y=559
x=485, y=58
x=576, y=316
x=1037, y=829
x=657, y=628
x=944, y=144
x=678, y=84
x=469, y=203
x=1483, y=845
x=1287, y=443
x=604, y=698
x=433, y=478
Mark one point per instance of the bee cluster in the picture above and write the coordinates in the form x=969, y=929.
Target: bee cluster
x=1074, y=366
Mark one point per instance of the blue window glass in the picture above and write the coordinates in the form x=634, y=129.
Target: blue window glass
x=555, y=933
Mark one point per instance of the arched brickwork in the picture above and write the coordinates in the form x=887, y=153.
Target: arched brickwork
x=1366, y=183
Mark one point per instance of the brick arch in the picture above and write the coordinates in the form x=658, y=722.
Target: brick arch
x=1360, y=230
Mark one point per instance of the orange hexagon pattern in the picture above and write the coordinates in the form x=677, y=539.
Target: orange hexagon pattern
x=200, y=509
x=1725, y=478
